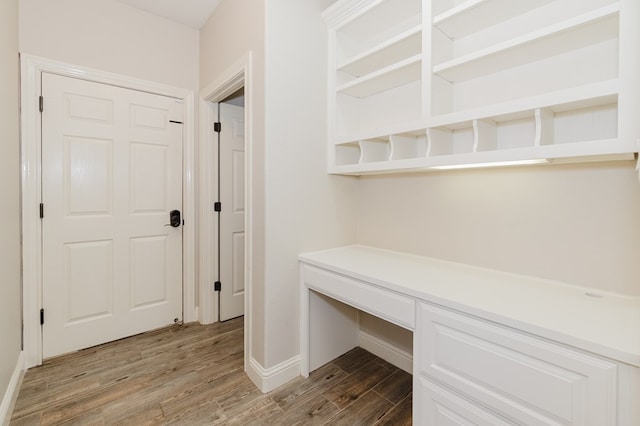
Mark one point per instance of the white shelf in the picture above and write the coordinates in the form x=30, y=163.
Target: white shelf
x=375, y=17
x=589, y=28
x=481, y=81
x=395, y=75
x=404, y=45
x=595, y=151
x=567, y=99
x=474, y=15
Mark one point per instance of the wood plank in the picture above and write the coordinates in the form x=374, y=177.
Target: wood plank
x=367, y=410
x=396, y=387
x=360, y=382
x=400, y=415
x=194, y=374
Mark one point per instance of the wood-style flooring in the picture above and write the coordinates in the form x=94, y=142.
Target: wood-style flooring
x=193, y=375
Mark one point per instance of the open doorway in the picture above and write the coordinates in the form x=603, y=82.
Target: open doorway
x=223, y=87
x=230, y=207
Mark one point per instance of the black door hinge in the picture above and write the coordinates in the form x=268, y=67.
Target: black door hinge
x=217, y=286
x=41, y=210
x=41, y=103
x=41, y=316
x=217, y=206
x=217, y=127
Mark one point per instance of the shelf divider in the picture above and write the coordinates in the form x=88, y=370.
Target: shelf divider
x=544, y=127
x=485, y=135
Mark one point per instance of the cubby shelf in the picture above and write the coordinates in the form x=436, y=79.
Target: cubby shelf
x=481, y=81
x=571, y=127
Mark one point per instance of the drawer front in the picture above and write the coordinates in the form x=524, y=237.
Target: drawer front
x=437, y=406
x=370, y=298
x=527, y=379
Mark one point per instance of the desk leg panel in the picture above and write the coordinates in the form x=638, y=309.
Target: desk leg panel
x=333, y=329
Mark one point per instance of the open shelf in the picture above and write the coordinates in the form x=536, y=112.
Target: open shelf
x=376, y=22
x=584, y=30
x=408, y=146
x=474, y=15
x=583, y=124
x=458, y=139
x=375, y=150
x=405, y=45
x=387, y=78
x=347, y=154
x=572, y=98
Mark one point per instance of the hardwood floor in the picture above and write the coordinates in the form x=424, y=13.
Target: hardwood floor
x=193, y=375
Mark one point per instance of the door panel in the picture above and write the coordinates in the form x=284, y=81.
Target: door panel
x=232, y=189
x=111, y=172
x=89, y=279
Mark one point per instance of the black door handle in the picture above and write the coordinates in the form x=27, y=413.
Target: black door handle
x=174, y=219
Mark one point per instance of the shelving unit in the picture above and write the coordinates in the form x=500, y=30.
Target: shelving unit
x=416, y=84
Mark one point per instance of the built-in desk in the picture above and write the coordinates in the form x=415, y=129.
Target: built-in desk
x=489, y=347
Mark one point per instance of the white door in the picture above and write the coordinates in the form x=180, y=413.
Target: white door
x=232, y=215
x=111, y=173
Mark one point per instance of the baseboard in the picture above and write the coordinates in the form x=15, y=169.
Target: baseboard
x=11, y=394
x=390, y=353
x=267, y=379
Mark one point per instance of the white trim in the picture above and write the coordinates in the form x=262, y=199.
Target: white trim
x=31, y=69
x=383, y=349
x=11, y=394
x=268, y=379
x=236, y=76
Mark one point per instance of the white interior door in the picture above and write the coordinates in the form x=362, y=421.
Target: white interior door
x=232, y=215
x=111, y=173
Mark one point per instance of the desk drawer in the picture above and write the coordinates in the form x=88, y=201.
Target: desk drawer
x=370, y=298
x=439, y=406
x=525, y=378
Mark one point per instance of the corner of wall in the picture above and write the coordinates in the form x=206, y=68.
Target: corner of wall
x=268, y=379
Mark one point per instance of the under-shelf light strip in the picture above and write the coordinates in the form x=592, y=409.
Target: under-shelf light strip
x=491, y=164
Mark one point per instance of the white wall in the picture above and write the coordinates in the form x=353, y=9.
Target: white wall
x=10, y=305
x=306, y=209
x=296, y=205
x=111, y=36
x=574, y=223
x=236, y=28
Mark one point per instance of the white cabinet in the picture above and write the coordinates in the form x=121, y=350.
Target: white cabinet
x=525, y=379
x=476, y=81
x=439, y=406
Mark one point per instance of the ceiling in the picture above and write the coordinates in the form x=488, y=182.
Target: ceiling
x=193, y=13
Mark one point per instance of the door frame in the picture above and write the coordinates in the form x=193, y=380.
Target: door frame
x=233, y=78
x=31, y=70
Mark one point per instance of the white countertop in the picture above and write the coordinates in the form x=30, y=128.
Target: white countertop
x=608, y=325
